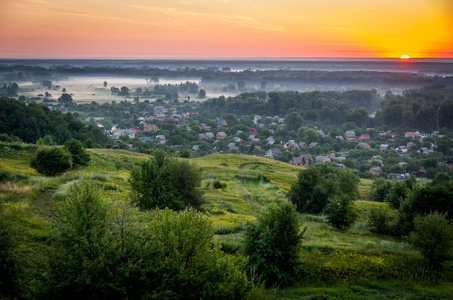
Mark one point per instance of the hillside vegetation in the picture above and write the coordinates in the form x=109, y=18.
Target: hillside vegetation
x=352, y=264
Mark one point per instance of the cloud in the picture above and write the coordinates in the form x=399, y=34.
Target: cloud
x=252, y=23
x=44, y=5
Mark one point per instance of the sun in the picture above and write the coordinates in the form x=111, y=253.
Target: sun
x=404, y=56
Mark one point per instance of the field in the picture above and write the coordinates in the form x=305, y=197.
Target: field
x=354, y=264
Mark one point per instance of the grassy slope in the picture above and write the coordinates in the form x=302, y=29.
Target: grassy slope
x=342, y=265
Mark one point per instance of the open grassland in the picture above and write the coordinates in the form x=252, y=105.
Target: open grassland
x=353, y=264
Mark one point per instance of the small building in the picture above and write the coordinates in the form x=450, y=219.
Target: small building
x=375, y=170
x=221, y=135
x=364, y=136
x=365, y=145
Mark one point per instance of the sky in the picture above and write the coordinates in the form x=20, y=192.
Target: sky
x=225, y=28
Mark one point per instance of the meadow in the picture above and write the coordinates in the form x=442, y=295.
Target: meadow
x=352, y=264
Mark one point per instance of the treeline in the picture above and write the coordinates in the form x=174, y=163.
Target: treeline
x=428, y=108
x=33, y=121
x=325, y=105
x=210, y=74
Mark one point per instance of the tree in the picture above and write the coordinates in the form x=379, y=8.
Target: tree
x=163, y=181
x=317, y=184
x=46, y=140
x=105, y=83
x=202, y=94
x=65, y=99
x=433, y=234
x=191, y=267
x=51, y=161
x=79, y=155
x=272, y=244
x=293, y=121
x=340, y=212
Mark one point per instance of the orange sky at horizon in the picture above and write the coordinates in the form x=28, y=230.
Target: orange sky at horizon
x=225, y=28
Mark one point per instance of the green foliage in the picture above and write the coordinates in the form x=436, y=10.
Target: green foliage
x=381, y=188
x=380, y=220
x=422, y=200
x=317, y=184
x=272, y=245
x=79, y=155
x=163, y=181
x=51, y=161
x=190, y=266
x=46, y=141
x=30, y=122
x=218, y=185
x=433, y=234
x=397, y=192
x=10, y=264
x=340, y=212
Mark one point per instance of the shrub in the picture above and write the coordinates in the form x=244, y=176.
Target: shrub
x=51, y=161
x=272, y=244
x=379, y=220
x=316, y=185
x=218, y=185
x=163, y=181
x=433, y=234
x=78, y=153
x=340, y=212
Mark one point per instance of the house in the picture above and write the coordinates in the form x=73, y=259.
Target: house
x=350, y=135
x=401, y=149
x=237, y=139
x=302, y=145
x=422, y=169
x=162, y=138
x=160, y=116
x=383, y=147
x=414, y=135
x=314, y=145
x=215, y=143
x=410, y=145
x=365, y=145
x=435, y=133
x=220, y=135
x=135, y=128
x=299, y=161
x=321, y=132
x=220, y=122
x=252, y=130
x=238, y=132
x=323, y=158
x=339, y=137
x=232, y=146
x=274, y=151
x=201, y=136
x=364, y=136
x=209, y=135
x=375, y=170
x=150, y=127
x=270, y=140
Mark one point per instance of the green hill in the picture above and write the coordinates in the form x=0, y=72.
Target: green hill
x=354, y=264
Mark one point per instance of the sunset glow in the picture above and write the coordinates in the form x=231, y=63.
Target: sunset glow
x=225, y=28
x=404, y=56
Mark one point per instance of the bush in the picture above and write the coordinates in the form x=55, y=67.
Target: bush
x=272, y=244
x=316, y=185
x=51, y=161
x=78, y=154
x=166, y=182
x=218, y=185
x=379, y=220
x=433, y=234
x=340, y=213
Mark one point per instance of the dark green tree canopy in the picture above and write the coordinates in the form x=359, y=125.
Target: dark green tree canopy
x=272, y=244
x=51, y=161
x=79, y=155
x=163, y=181
x=317, y=184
